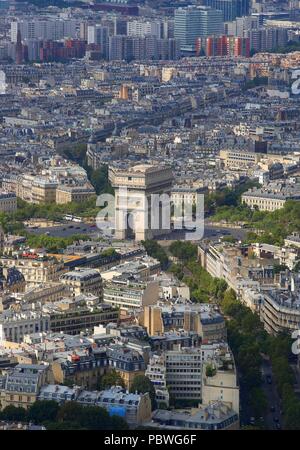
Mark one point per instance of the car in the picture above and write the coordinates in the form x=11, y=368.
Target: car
x=71, y=226
x=278, y=426
x=272, y=409
x=276, y=419
x=269, y=379
x=252, y=420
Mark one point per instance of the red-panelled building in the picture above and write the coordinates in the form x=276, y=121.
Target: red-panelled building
x=223, y=46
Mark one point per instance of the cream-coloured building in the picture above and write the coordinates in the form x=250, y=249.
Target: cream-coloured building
x=130, y=294
x=200, y=318
x=271, y=197
x=239, y=159
x=83, y=281
x=78, y=194
x=222, y=385
x=36, y=270
x=8, y=202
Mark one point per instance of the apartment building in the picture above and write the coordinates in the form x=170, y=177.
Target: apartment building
x=128, y=363
x=35, y=269
x=8, y=202
x=215, y=416
x=130, y=293
x=271, y=197
x=15, y=325
x=22, y=385
x=77, y=194
x=80, y=367
x=156, y=372
x=281, y=310
x=83, y=281
x=202, y=319
x=134, y=408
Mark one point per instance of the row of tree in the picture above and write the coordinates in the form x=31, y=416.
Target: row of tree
x=249, y=341
x=67, y=416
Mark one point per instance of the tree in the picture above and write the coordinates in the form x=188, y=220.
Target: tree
x=112, y=378
x=70, y=412
x=183, y=250
x=42, y=411
x=14, y=413
x=94, y=418
x=143, y=384
x=156, y=251
x=117, y=423
x=230, y=302
x=66, y=425
x=210, y=371
x=258, y=401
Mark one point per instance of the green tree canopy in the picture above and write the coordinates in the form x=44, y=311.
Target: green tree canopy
x=143, y=384
x=42, y=411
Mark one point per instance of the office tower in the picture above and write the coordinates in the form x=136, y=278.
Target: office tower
x=230, y=8
x=211, y=22
x=187, y=27
x=83, y=31
x=19, y=48
x=99, y=35
x=120, y=26
x=193, y=22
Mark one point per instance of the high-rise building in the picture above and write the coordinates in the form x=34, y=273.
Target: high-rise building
x=44, y=29
x=99, y=35
x=223, y=46
x=120, y=26
x=263, y=39
x=130, y=48
x=143, y=28
x=230, y=8
x=19, y=48
x=187, y=27
x=211, y=22
x=193, y=22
